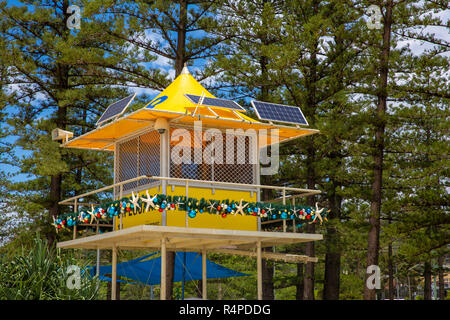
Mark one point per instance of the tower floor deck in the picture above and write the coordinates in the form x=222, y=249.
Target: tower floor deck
x=186, y=239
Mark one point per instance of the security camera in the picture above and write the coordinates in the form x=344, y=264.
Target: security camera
x=59, y=134
x=161, y=125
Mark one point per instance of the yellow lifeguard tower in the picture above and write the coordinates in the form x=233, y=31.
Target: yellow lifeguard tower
x=166, y=162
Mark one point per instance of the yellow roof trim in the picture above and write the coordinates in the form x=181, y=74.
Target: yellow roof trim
x=173, y=105
x=143, y=119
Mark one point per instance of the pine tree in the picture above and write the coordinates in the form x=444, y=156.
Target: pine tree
x=59, y=78
x=380, y=84
x=180, y=32
x=246, y=72
x=315, y=68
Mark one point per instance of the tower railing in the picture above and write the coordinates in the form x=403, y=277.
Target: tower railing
x=187, y=183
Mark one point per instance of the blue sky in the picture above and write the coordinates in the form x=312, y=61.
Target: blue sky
x=164, y=63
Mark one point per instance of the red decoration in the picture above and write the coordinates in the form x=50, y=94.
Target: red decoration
x=160, y=210
x=263, y=211
x=308, y=216
x=219, y=208
x=172, y=205
x=224, y=215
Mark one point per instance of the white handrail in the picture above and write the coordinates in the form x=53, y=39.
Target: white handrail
x=306, y=192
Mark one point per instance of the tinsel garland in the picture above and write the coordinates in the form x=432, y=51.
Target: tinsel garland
x=138, y=204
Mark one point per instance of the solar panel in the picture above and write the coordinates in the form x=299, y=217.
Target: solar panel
x=116, y=109
x=278, y=112
x=215, y=102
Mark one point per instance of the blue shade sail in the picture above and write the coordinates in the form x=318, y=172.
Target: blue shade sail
x=145, y=271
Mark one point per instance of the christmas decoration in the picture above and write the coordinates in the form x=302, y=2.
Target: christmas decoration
x=192, y=206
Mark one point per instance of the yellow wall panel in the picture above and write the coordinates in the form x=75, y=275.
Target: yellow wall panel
x=177, y=218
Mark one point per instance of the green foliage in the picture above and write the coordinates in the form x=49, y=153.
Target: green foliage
x=41, y=274
x=318, y=55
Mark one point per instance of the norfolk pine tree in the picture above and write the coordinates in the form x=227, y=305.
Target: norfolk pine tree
x=400, y=21
x=180, y=32
x=59, y=78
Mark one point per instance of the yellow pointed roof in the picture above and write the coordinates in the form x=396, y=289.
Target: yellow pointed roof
x=173, y=99
x=173, y=105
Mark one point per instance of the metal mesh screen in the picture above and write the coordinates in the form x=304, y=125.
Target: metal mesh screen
x=136, y=157
x=149, y=156
x=234, y=165
x=128, y=163
x=240, y=170
x=189, y=168
x=141, y=156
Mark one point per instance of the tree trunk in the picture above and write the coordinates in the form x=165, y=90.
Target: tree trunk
x=332, y=276
x=170, y=270
x=308, y=290
x=441, y=278
x=199, y=288
x=62, y=76
x=267, y=278
x=427, y=279
x=300, y=282
x=375, y=207
x=181, y=38
x=109, y=290
x=179, y=64
x=54, y=210
x=308, y=293
x=391, y=273
x=333, y=255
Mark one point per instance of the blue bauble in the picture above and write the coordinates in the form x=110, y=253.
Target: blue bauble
x=229, y=209
x=192, y=214
x=308, y=210
x=274, y=216
x=283, y=215
x=201, y=210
